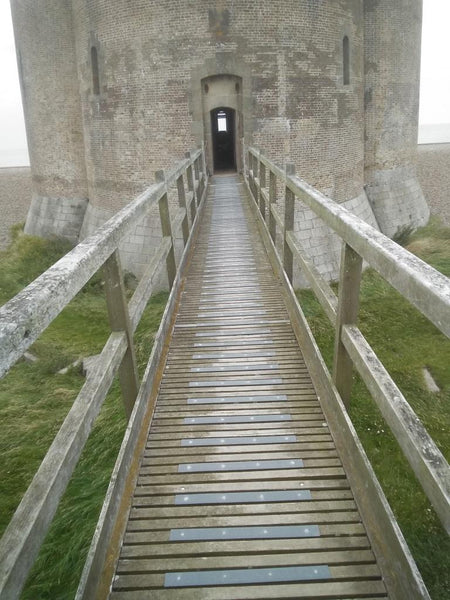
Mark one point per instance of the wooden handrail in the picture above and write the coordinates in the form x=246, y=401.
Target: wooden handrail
x=424, y=287
x=27, y=315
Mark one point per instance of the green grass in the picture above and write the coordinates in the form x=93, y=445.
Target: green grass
x=406, y=342
x=34, y=399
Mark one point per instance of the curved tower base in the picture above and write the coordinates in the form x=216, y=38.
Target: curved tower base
x=321, y=244
x=397, y=200
x=56, y=217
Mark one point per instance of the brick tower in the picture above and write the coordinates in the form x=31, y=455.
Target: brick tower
x=115, y=90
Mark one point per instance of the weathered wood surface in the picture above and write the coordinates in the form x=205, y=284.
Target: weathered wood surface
x=423, y=455
x=427, y=289
x=119, y=320
x=410, y=274
x=29, y=313
x=400, y=572
x=347, y=314
x=25, y=533
x=105, y=543
x=235, y=413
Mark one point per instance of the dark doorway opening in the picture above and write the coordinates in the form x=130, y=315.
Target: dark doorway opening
x=223, y=139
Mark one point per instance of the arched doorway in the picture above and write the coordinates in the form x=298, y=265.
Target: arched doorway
x=222, y=122
x=223, y=133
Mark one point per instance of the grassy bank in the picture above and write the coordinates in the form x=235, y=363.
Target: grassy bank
x=35, y=398
x=406, y=342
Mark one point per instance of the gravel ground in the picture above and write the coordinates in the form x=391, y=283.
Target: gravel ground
x=15, y=197
x=433, y=170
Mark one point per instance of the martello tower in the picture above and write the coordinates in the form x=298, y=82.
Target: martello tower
x=114, y=90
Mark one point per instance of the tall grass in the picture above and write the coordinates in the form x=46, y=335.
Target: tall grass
x=35, y=398
x=406, y=342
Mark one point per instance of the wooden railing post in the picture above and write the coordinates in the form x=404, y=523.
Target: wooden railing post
x=347, y=314
x=272, y=203
x=166, y=229
x=262, y=187
x=182, y=204
x=197, y=181
x=191, y=187
x=202, y=167
x=289, y=207
x=119, y=320
x=251, y=176
x=256, y=176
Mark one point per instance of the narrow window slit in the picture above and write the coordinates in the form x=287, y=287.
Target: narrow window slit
x=346, y=60
x=95, y=73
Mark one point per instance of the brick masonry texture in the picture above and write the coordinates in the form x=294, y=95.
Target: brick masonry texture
x=285, y=61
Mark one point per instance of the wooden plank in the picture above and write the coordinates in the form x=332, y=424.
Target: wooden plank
x=272, y=204
x=191, y=188
x=421, y=284
x=149, y=467
x=217, y=510
x=311, y=458
x=147, y=478
x=119, y=320
x=166, y=229
x=344, y=591
x=247, y=496
x=97, y=571
x=427, y=461
x=244, y=547
x=331, y=483
x=347, y=313
x=386, y=537
x=142, y=524
x=182, y=204
x=26, y=530
x=355, y=557
x=147, y=581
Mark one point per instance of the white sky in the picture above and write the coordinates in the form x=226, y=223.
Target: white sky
x=435, y=74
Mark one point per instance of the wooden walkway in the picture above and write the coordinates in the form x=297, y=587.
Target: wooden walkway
x=241, y=493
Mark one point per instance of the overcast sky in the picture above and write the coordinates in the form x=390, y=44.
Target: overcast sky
x=435, y=75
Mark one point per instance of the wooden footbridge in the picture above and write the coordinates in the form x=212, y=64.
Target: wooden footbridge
x=240, y=474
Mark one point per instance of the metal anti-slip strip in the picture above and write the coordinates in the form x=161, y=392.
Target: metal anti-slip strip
x=254, y=342
x=238, y=367
x=235, y=382
x=244, y=497
x=240, y=441
x=247, y=576
x=238, y=399
x=269, y=532
x=254, y=354
x=236, y=419
x=240, y=465
x=233, y=332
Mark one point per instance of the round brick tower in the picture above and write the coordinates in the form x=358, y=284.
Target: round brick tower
x=45, y=46
x=152, y=77
x=392, y=73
